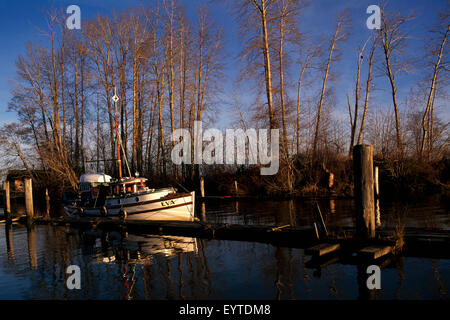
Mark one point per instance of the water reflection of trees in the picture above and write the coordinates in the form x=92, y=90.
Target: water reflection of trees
x=112, y=267
x=117, y=265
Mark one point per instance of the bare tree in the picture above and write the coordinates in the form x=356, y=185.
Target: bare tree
x=359, y=58
x=427, y=119
x=287, y=14
x=393, y=41
x=368, y=84
x=254, y=16
x=338, y=35
x=311, y=53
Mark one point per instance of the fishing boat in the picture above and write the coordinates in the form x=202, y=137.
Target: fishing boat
x=129, y=198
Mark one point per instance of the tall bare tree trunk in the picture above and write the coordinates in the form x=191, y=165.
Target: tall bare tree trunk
x=357, y=89
x=182, y=86
x=366, y=101
x=394, y=100
x=262, y=6
x=63, y=89
x=283, y=107
x=425, y=126
x=83, y=106
x=393, y=41
x=324, y=84
x=98, y=136
x=298, y=105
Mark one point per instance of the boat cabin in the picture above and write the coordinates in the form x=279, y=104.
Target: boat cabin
x=95, y=188
x=130, y=185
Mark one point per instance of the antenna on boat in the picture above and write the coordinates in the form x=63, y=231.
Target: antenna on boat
x=115, y=98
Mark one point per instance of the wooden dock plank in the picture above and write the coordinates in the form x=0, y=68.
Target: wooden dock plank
x=323, y=249
x=375, y=252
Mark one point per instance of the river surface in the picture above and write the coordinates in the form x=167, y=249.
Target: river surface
x=34, y=261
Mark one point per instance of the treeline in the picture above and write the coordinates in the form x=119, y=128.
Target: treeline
x=163, y=67
x=168, y=71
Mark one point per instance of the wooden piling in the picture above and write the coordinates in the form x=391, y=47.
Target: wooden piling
x=377, y=197
x=363, y=190
x=47, y=204
x=29, y=198
x=236, y=189
x=330, y=180
x=375, y=181
x=7, y=201
x=377, y=213
x=202, y=187
x=203, y=212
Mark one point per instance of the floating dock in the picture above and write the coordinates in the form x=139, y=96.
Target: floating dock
x=415, y=242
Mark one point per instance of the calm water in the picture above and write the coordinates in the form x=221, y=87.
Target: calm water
x=33, y=261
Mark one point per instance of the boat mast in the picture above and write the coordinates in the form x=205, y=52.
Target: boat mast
x=115, y=98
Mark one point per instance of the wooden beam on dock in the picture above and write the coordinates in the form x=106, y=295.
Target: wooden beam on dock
x=323, y=249
x=375, y=252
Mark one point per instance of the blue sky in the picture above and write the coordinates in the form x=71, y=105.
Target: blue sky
x=19, y=19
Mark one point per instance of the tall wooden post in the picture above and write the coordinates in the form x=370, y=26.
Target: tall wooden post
x=364, y=193
x=202, y=187
x=7, y=201
x=29, y=198
x=203, y=212
x=330, y=180
x=236, y=188
x=375, y=177
x=47, y=204
x=377, y=197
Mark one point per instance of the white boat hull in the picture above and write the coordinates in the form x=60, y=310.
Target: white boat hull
x=160, y=205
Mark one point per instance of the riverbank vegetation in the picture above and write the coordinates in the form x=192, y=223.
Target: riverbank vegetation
x=170, y=68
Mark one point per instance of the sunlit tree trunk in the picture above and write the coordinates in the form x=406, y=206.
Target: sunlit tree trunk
x=425, y=124
x=336, y=37
x=368, y=83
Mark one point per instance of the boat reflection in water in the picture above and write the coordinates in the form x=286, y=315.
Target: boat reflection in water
x=139, y=249
x=133, y=253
